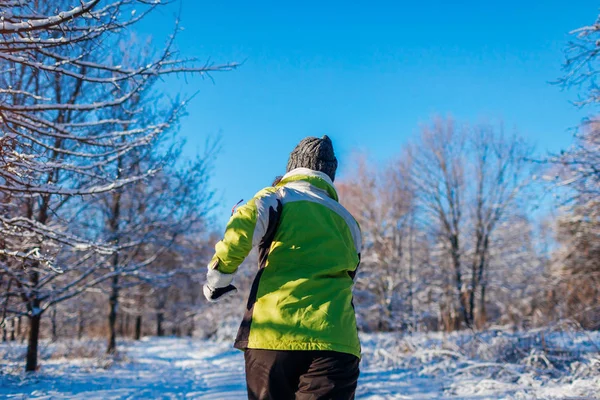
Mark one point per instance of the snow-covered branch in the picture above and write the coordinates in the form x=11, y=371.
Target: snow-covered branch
x=75, y=114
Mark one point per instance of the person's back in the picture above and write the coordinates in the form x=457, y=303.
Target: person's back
x=299, y=330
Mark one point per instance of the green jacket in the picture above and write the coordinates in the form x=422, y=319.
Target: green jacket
x=309, y=249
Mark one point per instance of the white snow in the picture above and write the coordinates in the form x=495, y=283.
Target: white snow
x=152, y=368
x=493, y=365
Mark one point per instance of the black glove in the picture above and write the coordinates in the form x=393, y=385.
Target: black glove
x=218, y=285
x=216, y=294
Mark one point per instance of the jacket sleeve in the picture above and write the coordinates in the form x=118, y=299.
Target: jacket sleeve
x=245, y=230
x=358, y=246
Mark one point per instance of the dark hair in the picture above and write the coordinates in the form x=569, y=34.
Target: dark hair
x=278, y=179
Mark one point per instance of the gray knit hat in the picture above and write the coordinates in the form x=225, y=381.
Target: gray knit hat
x=316, y=154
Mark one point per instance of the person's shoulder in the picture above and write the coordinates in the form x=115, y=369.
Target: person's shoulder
x=357, y=224
x=352, y=217
x=266, y=192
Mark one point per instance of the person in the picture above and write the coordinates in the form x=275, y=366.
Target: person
x=299, y=333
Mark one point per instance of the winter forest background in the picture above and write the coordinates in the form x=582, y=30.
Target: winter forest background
x=105, y=225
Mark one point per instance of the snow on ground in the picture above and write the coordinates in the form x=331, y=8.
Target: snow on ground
x=169, y=368
x=492, y=365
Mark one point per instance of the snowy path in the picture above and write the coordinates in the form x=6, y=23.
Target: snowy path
x=155, y=368
x=415, y=368
x=176, y=369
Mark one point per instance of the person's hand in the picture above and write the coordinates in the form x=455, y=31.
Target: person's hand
x=217, y=294
x=218, y=285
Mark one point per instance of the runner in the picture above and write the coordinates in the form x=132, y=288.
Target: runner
x=299, y=330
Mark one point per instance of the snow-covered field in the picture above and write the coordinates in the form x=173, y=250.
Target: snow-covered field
x=492, y=365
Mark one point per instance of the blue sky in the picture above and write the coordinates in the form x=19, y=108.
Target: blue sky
x=367, y=74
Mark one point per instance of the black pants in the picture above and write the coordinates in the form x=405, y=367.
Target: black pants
x=283, y=375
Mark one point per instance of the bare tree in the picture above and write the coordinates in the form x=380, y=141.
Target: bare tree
x=575, y=275
x=501, y=174
x=438, y=175
x=59, y=78
x=575, y=267
x=581, y=64
x=467, y=180
x=515, y=279
x=578, y=168
x=382, y=202
x=147, y=218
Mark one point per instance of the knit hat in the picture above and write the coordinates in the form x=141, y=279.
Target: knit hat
x=316, y=154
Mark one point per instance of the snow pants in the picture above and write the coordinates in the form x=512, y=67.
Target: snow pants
x=300, y=375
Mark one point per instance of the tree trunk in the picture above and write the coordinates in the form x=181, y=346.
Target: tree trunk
x=113, y=300
x=12, y=330
x=80, y=325
x=32, y=344
x=482, y=282
x=389, y=311
x=482, y=319
x=160, y=317
x=53, y=323
x=19, y=333
x=191, y=327
x=126, y=329
x=4, y=329
x=411, y=307
x=121, y=329
x=112, y=316
x=24, y=333
x=471, y=296
x=462, y=299
x=138, y=327
x=35, y=317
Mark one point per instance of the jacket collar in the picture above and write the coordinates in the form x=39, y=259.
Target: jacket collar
x=316, y=178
